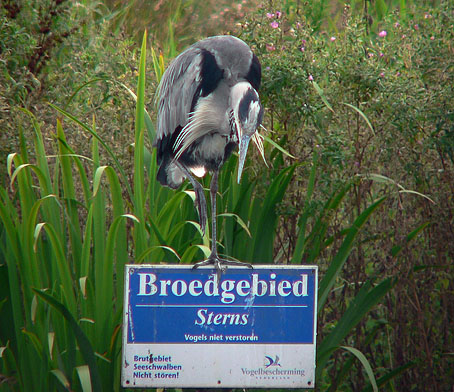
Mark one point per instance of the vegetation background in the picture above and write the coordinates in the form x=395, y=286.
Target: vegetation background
x=360, y=147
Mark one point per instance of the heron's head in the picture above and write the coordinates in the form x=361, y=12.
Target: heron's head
x=248, y=114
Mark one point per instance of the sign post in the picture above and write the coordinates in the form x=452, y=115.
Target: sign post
x=253, y=328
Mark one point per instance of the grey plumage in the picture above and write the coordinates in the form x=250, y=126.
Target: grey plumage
x=207, y=105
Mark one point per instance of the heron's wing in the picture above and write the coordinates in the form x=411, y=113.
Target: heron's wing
x=176, y=92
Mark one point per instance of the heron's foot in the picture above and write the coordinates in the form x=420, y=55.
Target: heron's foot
x=220, y=265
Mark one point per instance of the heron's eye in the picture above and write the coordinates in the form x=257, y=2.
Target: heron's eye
x=251, y=120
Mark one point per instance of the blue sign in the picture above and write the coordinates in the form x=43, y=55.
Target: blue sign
x=181, y=305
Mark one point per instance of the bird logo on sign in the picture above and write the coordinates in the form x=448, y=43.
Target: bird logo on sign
x=271, y=361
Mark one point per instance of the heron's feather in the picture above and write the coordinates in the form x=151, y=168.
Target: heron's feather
x=202, y=121
x=176, y=91
x=258, y=141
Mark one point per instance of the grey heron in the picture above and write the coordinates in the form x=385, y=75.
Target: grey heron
x=207, y=105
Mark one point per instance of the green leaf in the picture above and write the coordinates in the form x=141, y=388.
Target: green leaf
x=118, y=166
x=189, y=254
x=344, y=251
x=397, y=248
x=277, y=146
x=84, y=344
x=322, y=95
x=87, y=244
x=81, y=87
x=358, y=354
x=381, y=8
x=62, y=378
x=265, y=218
x=84, y=376
x=22, y=167
x=385, y=379
x=50, y=343
x=104, y=279
x=35, y=342
x=62, y=265
x=139, y=196
x=363, y=302
x=386, y=180
x=147, y=252
x=238, y=220
x=158, y=71
x=362, y=115
x=417, y=193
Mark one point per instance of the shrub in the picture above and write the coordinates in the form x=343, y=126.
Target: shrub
x=378, y=105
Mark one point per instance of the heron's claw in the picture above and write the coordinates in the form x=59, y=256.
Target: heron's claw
x=220, y=265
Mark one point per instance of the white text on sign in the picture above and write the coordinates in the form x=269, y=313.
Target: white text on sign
x=228, y=290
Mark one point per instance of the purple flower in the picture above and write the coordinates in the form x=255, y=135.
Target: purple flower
x=278, y=14
x=310, y=77
x=274, y=25
x=302, y=48
x=381, y=54
x=333, y=39
x=396, y=25
x=270, y=47
x=382, y=33
x=269, y=16
x=382, y=74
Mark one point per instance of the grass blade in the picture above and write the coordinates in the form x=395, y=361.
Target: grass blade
x=62, y=266
x=383, y=380
x=103, y=143
x=366, y=365
x=322, y=95
x=366, y=298
x=299, y=247
x=397, y=248
x=362, y=115
x=338, y=261
x=84, y=377
x=84, y=344
x=278, y=147
x=62, y=378
x=139, y=233
x=264, y=225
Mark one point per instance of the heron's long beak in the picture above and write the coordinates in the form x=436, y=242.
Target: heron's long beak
x=244, y=143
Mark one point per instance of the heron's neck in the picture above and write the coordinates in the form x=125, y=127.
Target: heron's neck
x=233, y=136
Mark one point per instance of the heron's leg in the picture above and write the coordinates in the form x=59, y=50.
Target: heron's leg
x=219, y=264
x=200, y=201
x=213, y=194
